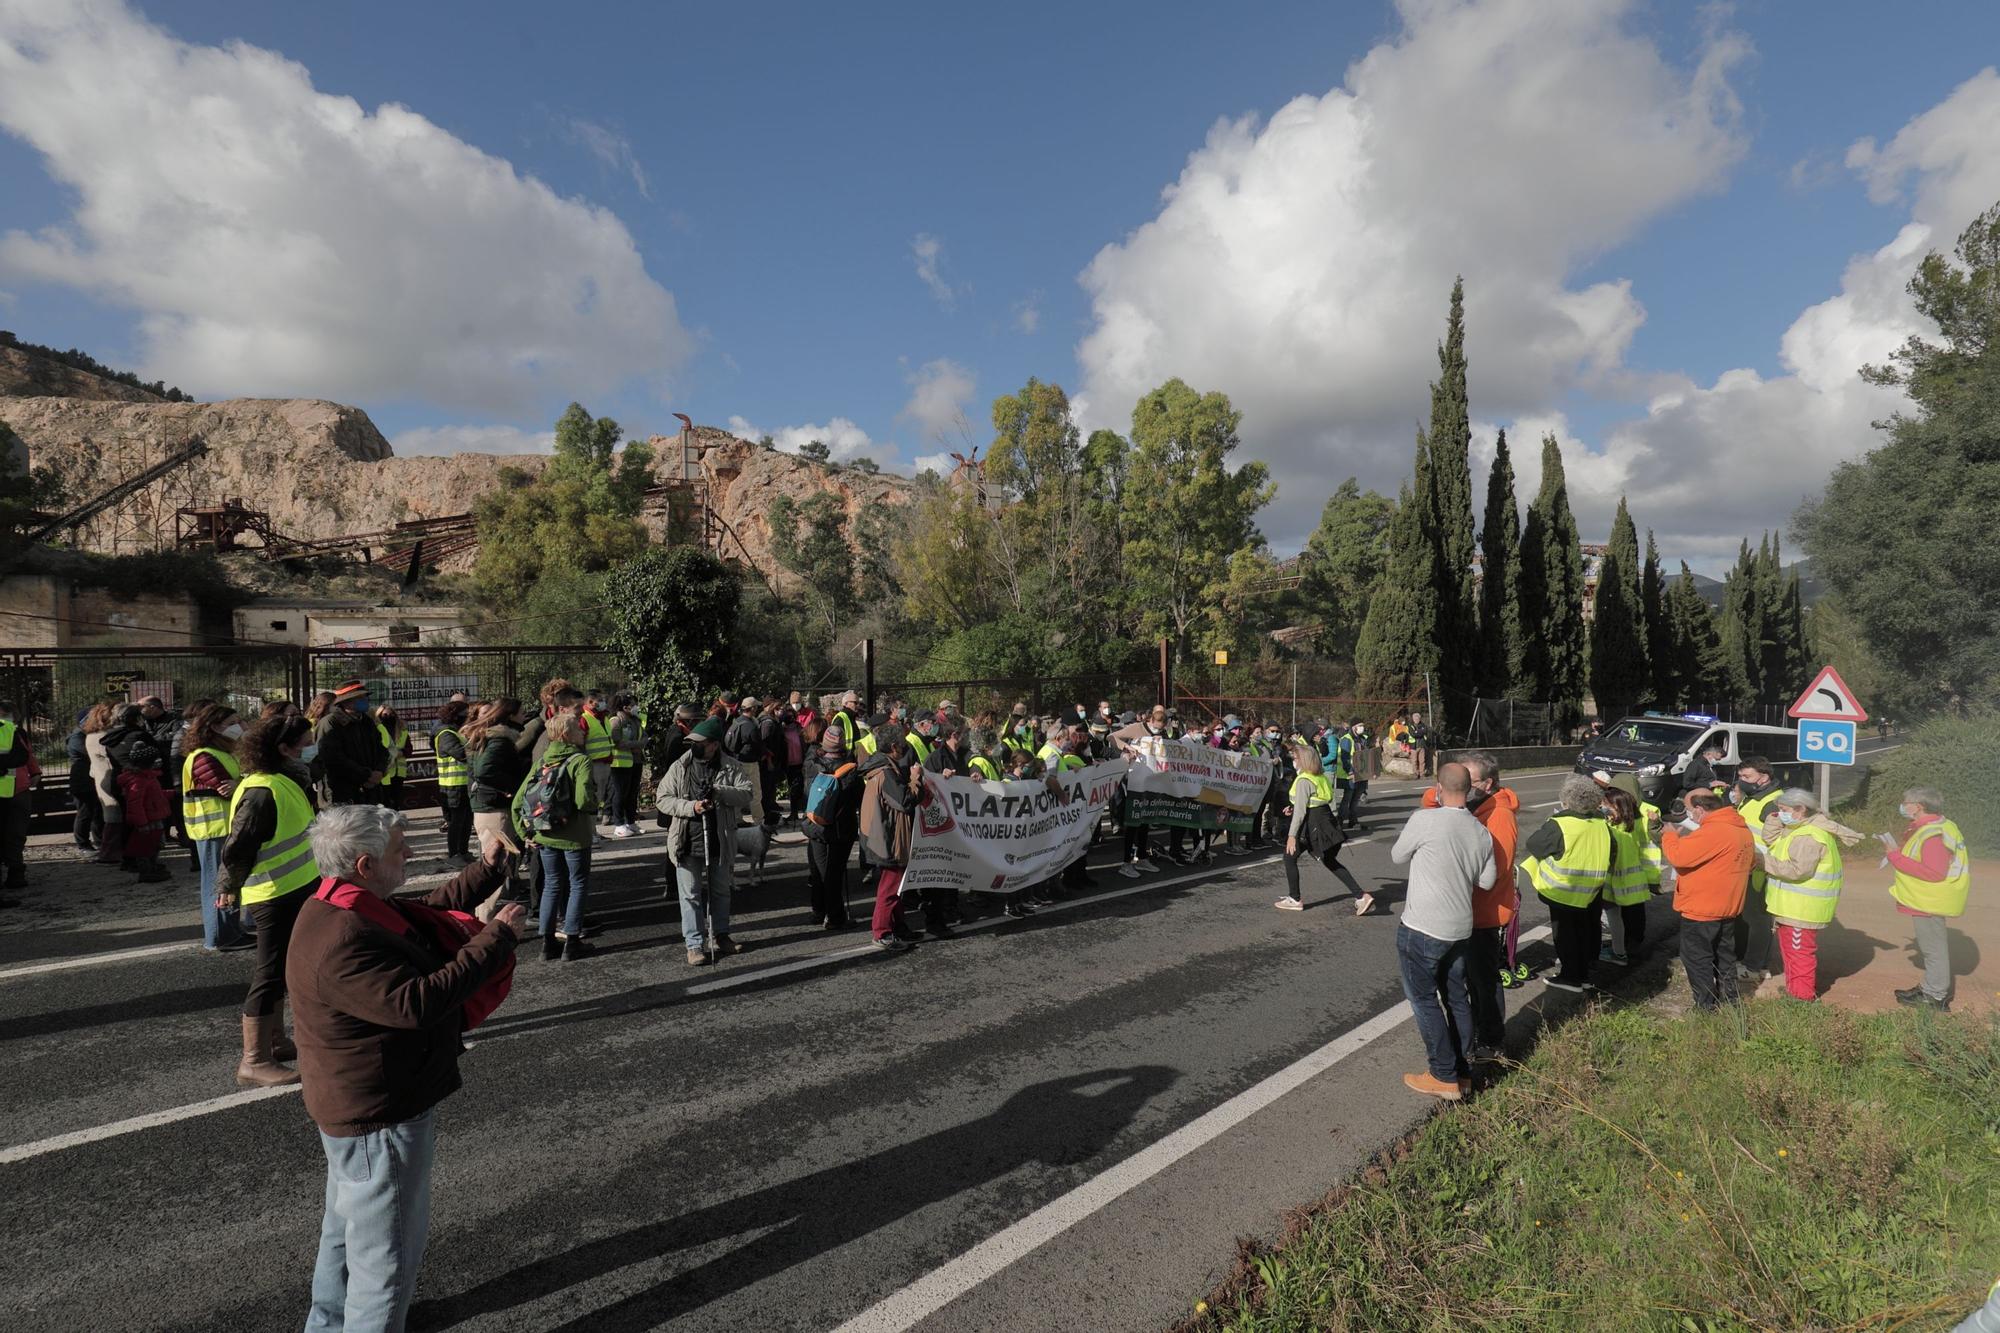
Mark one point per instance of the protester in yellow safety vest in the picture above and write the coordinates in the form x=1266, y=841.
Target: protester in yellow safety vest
x=1933, y=877
x=1635, y=877
x=599, y=748
x=1802, y=867
x=267, y=867
x=1568, y=860
x=922, y=737
x=1315, y=830
x=454, y=781
x=208, y=779
x=1753, y=793
x=395, y=744
x=847, y=719
x=628, y=747
x=16, y=800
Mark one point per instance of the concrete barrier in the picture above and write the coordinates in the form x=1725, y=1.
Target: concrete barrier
x=1515, y=757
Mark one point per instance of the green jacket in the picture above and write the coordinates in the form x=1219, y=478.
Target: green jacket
x=576, y=833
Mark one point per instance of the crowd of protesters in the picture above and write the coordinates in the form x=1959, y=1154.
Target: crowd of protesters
x=292, y=822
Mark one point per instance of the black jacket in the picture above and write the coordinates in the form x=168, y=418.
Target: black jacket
x=741, y=742
x=255, y=820
x=350, y=749
x=844, y=812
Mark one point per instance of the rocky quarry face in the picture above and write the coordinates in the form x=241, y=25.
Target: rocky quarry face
x=322, y=470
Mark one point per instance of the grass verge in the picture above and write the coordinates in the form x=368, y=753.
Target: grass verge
x=1784, y=1166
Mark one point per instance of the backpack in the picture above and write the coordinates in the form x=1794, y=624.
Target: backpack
x=549, y=801
x=822, y=793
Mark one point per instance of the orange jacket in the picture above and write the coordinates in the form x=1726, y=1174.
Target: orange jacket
x=1500, y=813
x=1712, y=865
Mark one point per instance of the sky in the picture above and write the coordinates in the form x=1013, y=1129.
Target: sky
x=1681, y=228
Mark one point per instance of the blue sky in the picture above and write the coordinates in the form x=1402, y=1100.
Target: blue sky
x=782, y=172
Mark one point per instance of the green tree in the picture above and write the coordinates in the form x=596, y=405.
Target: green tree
x=1445, y=509
x=1742, y=626
x=1653, y=608
x=1342, y=562
x=1398, y=642
x=577, y=518
x=1904, y=537
x=1700, y=669
x=1557, y=656
x=816, y=450
x=809, y=538
x=1187, y=512
x=1621, y=676
x=1500, y=631
x=26, y=493
x=674, y=612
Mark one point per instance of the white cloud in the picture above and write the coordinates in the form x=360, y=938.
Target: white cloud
x=612, y=149
x=940, y=391
x=1708, y=464
x=927, y=253
x=844, y=440
x=1028, y=313
x=941, y=463
x=276, y=239
x=1302, y=265
x=472, y=440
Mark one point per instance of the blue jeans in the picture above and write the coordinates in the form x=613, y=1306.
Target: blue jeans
x=705, y=894
x=564, y=874
x=218, y=927
x=1434, y=968
x=378, y=1216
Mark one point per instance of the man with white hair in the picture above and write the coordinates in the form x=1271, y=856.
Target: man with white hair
x=1933, y=880
x=1802, y=877
x=382, y=990
x=1569, y=860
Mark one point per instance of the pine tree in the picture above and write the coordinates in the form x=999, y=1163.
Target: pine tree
x=1620, y=676
x=1554, y=624
x=1659, y=643
x=1500, y=634
x=1398, y=641
x=1445, y=508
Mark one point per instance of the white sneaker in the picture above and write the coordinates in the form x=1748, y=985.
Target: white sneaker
x=622, y=830
x=1129, y=871
x=1289, y=905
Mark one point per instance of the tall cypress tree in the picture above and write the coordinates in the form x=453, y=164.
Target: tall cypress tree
x=1445, y=497
x=1620, y=677
x=1778, y=676
x=1560, y=647
x=1659, y=643
x=1500, y=635
x=1398, y=641
x=1742, y=630
x=1701, y=670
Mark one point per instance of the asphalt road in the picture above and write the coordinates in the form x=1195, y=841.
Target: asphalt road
x=785, y=1141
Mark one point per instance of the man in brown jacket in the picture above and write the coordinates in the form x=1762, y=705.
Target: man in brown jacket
x=378, y=1008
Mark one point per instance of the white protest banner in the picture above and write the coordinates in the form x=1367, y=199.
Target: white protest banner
x=996, y=837
x=1191, y=785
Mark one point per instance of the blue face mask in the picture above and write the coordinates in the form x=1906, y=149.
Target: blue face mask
x=307, y=755
x=1787, y=817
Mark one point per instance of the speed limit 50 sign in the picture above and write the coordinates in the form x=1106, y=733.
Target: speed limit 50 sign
x=1822, y=742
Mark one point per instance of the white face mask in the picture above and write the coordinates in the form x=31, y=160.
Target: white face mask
x=233, y=731
x=307, y=754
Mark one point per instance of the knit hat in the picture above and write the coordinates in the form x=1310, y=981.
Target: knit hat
x=708, y=729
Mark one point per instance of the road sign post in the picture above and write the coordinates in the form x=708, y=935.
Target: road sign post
x=1827, y=713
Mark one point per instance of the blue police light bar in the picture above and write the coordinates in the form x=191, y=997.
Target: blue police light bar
x=1698, y=717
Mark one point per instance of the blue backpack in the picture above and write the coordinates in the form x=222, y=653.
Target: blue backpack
x=820, y=796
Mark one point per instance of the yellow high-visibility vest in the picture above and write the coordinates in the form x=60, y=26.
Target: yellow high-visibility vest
x=206, y=816
x=596, y=739
x=1584, y=867
x=451, y=772
x=1814, y=900
x=1322, y=789
x=985, y=768
x=1635, y=866
x=1752, y=811
x=397, y=765
x=285, y=863
x=620, y=756
x=923, y=750
x=6, y=775
x=1940, y=898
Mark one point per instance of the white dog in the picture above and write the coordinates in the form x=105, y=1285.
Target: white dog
x=754, y=841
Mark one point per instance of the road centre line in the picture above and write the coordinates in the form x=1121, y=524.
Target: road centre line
x=154, y=1119
x=151, y=1120
x=94, y=959
x=945, y=1284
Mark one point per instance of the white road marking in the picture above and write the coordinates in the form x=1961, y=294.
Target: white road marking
x=151, y=1120
x=945, y=1284
x=94, y=959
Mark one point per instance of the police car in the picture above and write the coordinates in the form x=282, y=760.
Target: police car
x=1657, y=748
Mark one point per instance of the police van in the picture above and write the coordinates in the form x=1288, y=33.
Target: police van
x=1657, y=748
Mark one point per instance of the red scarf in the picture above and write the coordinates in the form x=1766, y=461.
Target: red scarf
x=445, y=931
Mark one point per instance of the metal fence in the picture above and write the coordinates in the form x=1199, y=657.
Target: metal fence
x=1122, y=690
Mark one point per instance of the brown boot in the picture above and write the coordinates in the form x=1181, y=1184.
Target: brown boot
x=258, y=1069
